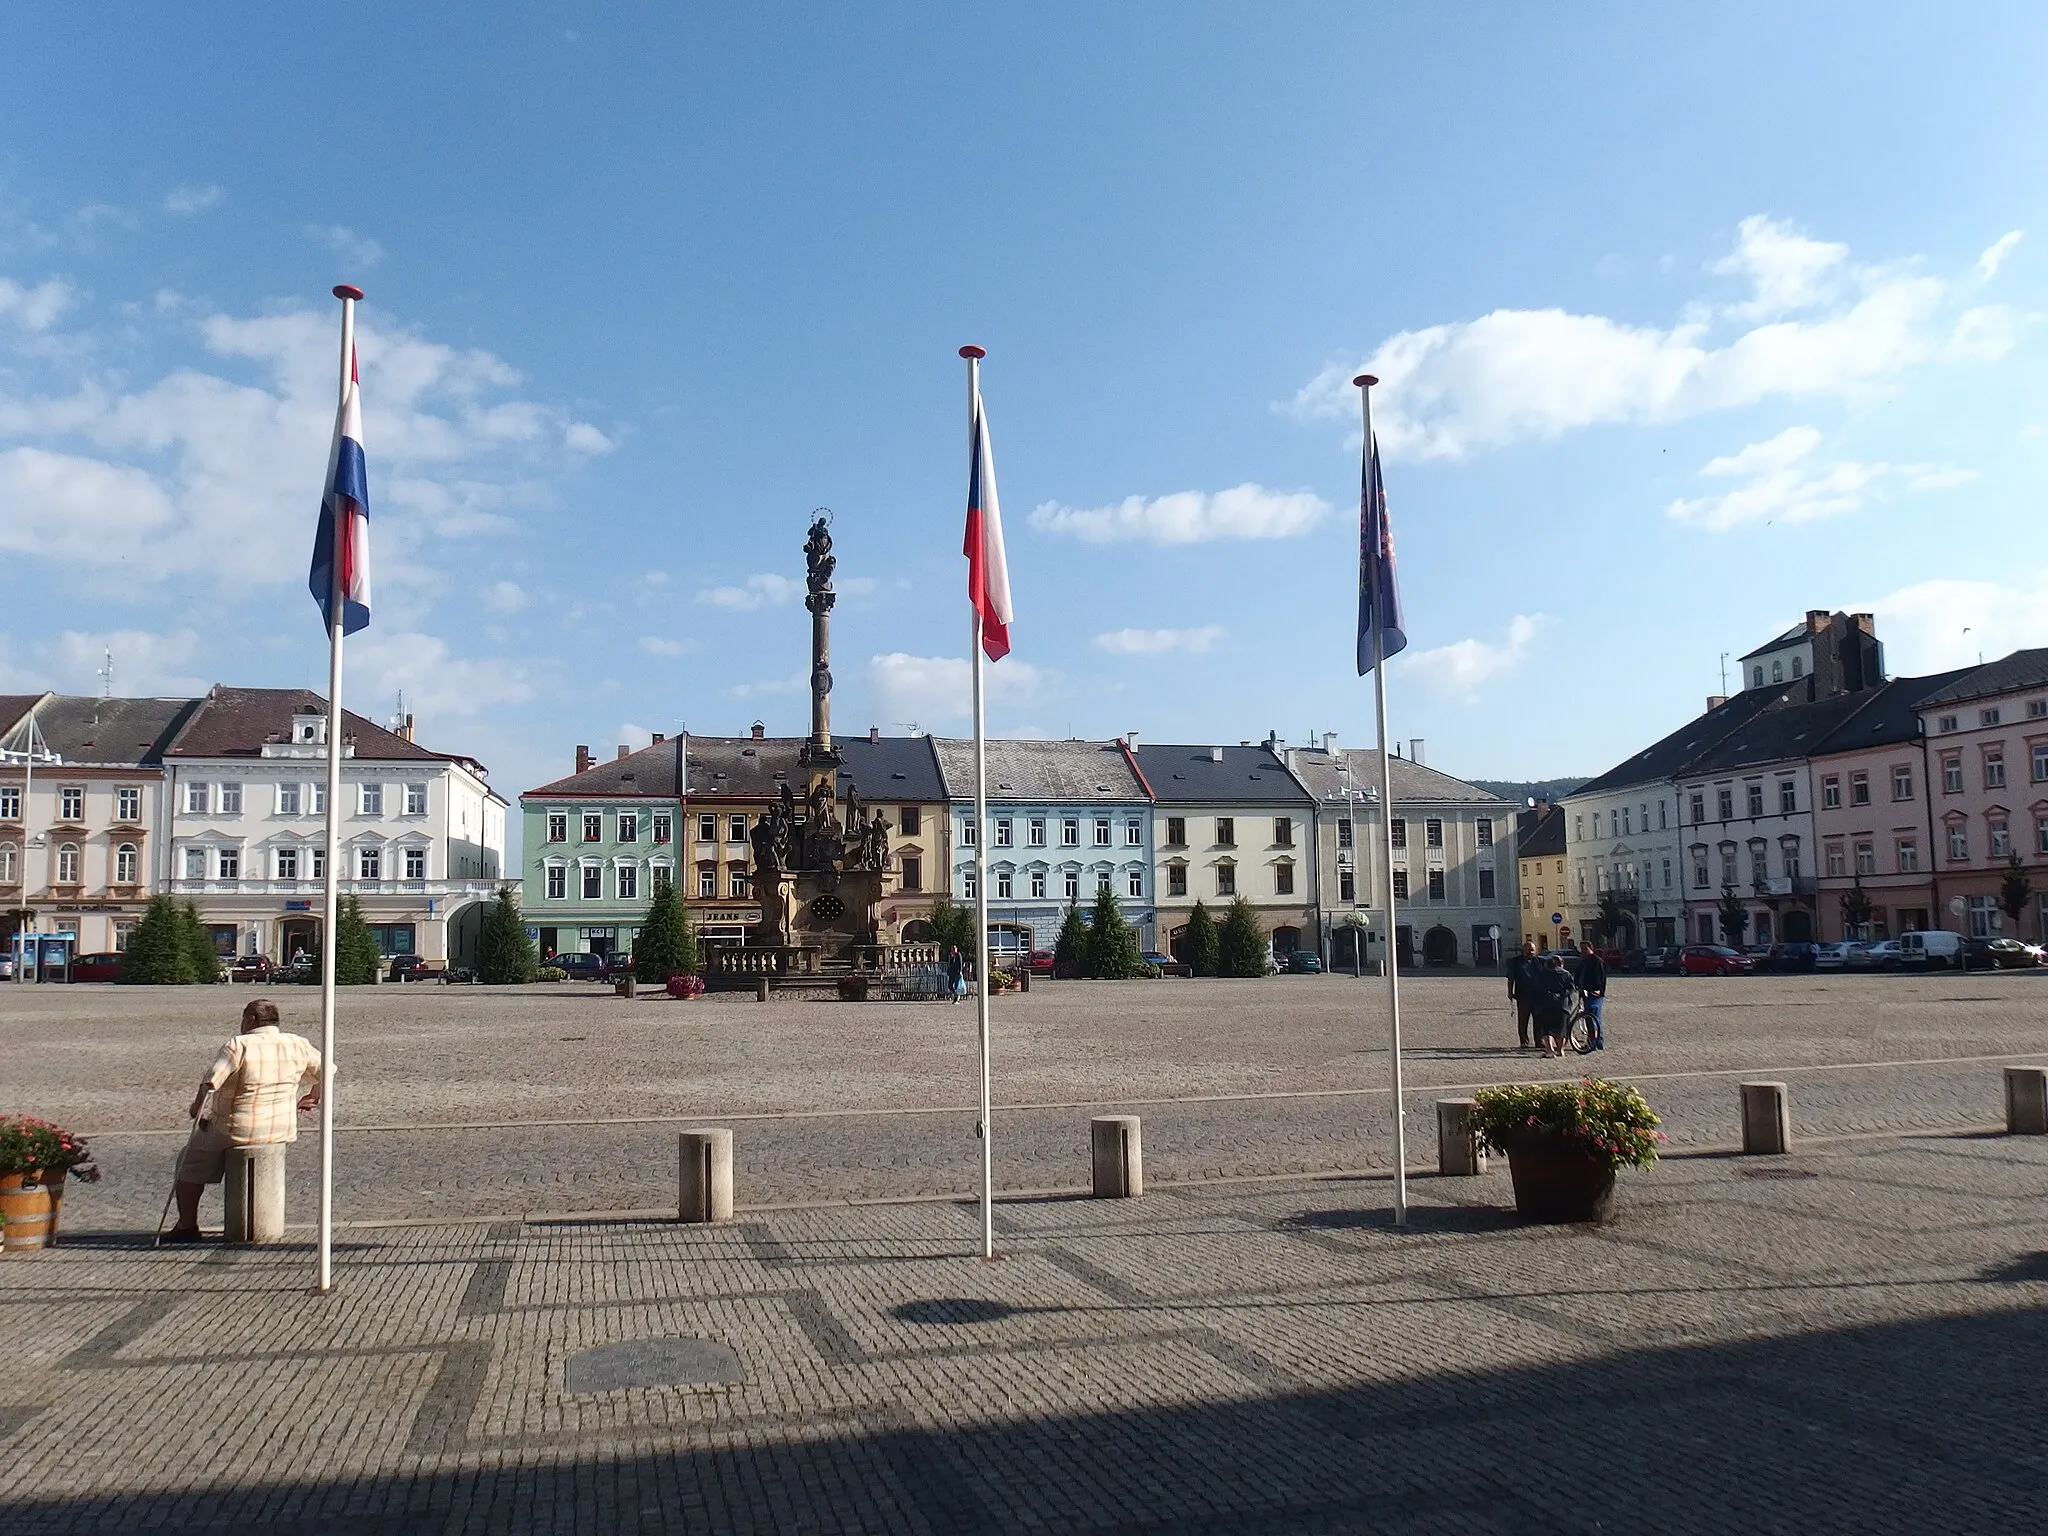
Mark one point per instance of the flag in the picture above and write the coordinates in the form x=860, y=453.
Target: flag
x=988, y=573
x=1379, y=595
x=345, y=518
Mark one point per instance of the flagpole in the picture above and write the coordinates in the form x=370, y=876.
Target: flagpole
x=986, y=1125
x=329, y=905
x=1365, y=382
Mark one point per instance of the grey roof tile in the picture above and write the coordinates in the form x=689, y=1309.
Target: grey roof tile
x=1040, y=770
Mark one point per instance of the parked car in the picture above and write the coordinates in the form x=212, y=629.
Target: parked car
x=2000, y=954
x=411, y=968
x=1168, y=966
x=6, y=967
x=616, y=964
x=1832, y=957
x=256, y=969
x=1039, y=962
x=102, y=967
x=1930, y=949
x=581, y=966
x=1301, y=962
x=1796, y=955
x=1883, y=955
x=1714, y=960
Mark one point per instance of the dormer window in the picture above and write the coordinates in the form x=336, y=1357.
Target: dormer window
x=309, y=730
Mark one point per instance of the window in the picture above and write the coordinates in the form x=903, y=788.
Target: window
x=1754, y=794
x=195, y=863
x=1987, y=717
x=1003, y=839
x=2040, y=762
x=1859, y=789
x=370, y=798
x=1724, y=800
x=1798, y=667
x=1176, y=879
x=1038, y=883
x=1777, y=671
x=1958, y=841
x=593, y=826
x=736, y=882
x=1759, y=863
x=913, y=873
x=71, y=803
x=1433, y=833
x=123, y=933
x=1347, y=887
x=1004, y=889
x=1226, y=831
x=593, y=883
x=1484, y=827
x=1283, y=879
x=629, y=827
x=1072, y=884
x=663, y=827
x=970, y=832
x=1398, y=827
x=67, y=864
x=1667, y=874
x=1699, y=808
x=1034, y=832
x=628, y=877
x=10, y=803
x=415, y=799
x=7, y=864
x=1994, y=768
x=369, y=863
x=1400, y=885
x=1134, y=884
x=558, y=882
x=2041, y=834
x=1788, y=798
x=1283, y=831
x=1952, y=775
x=1070, y=832
x=1837, y=862
x=317, y=858
x=1909, y=856
x=660, y=877
x=909, y=821
x=415, y=863
x=1102, y=831
x=1578, y=829
x=2037, y=708
x=1134, y=832
x=1866, y=859
x=1756, y=676
x=287, y=863
x=287, y=800
x=198, y=799
x=128, y=805
x=1945, y=723
x=1485, y=884
x=2001, y=840
x=735, y=829
x=1344, y=832
x=1226, y=879
x=967, y=885
x=1102, y=880
x=707, y=882
x=707, y=832
x=1727, y=863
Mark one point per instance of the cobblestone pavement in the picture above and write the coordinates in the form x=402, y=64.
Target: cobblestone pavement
x=461, y=1102
x=1846, y=1340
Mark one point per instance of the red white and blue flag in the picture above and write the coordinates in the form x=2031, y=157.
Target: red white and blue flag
x=344, y=533
x=1379, y=595
x=988, y=572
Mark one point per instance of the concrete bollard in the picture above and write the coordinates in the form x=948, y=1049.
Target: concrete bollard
x=628, y=985
x=1023, y=978
x=704, y=1175
x=1459, y=1150
x=2026, y=1101
x=1766, y=1119
x=1118, y=1153
x=761, y=990
x=253, y=1192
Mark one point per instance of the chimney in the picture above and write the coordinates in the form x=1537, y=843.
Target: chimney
x=1715, y=701
x=1329, y=743
x=583, y=759
x=1131, y=740
x=659, y=738
x=1215, y=754
x=874, y=734
x=759, y=730
x=1816, y=621
x=1415, y=749
x=1865, y=622
x=405, y=729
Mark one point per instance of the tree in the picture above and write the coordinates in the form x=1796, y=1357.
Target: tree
x=356, y=960
x=1734, y=917
x=1857, y=911
x=504, y=954
x=2015, y=890
x=1070, y=949
x=1243, y=941
x=1612, y=918
x=953, y=928
x=197, y=939
x=1112, y=944
x=1202, y=945
x=666, y=946
x=159, y=950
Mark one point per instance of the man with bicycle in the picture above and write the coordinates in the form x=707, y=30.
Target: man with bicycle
x=1553, y=989
x=1593, y=993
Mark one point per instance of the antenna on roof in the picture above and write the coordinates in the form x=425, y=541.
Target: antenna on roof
x=1724, y=672
x=107, y=676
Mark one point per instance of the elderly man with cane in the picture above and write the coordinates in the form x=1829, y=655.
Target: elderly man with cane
x=258, y=1083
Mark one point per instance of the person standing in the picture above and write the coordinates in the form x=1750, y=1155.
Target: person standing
x=1593, y=990
x=1553, y=1003
x=956, y=974
x=1522, y=970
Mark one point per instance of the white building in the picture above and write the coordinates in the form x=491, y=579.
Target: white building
x=422, y=833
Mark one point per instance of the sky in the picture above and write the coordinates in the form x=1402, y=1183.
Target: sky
x=1688, y=321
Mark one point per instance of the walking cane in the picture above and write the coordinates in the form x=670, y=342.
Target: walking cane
x=205, y=1115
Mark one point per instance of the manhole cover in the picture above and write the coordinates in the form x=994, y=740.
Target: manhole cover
x=1779, y=1173
x=651, y=1363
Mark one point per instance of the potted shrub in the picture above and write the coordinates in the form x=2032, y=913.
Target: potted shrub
x=1564, y=1140
x=35, y=1159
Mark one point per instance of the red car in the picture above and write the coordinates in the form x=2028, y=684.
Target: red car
x=96, y=967
x=1714, y=960
x=1039, y=962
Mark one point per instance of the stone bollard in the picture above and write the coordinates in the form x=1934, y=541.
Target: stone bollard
x=1118, y=1153
x=1023, y=978
x=1459, y=1150
x=2026, y=1101
x=628, y=986
x=253, y=1192
x=1766, y=1119
x=761, y=990
x=704, y=1175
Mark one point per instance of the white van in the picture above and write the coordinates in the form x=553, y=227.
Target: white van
x=1930, y=949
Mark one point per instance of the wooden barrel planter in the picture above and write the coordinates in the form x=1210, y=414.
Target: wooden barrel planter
x=29, y=1209
x=1558, y=1180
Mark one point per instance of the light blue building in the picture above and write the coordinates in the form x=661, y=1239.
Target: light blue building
x=1065, y=818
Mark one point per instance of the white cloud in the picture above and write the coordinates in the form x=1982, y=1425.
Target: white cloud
x=185, y=200
x=796, y=683
x=934, y=690
x=634, y=736
x=434, y=681
x=1160, y=642
x=763, y=591
x=359, y=251
x=1780, y=479
x=656, y=645
x=37, y=308
x=1464, y=667
x=145, y=664
x=1932, y=626
x=505, y=597
x=582, y=437
x=1825, y=327
x=1189, y=517
x=1995, y=254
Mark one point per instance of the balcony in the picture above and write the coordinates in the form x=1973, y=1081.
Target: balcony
x=1796, y=887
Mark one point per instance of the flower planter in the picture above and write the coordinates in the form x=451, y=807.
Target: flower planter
x=29, y=1208
x=853, y=989
x=1558, y=1180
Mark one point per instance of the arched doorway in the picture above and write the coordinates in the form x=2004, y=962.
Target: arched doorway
x=464, y=933
x=1439, y=946
x=1177, y=944
x=1286, y=940
x=1404, y=945
x=918, y=931
x=1797, y=928
x=297, y=936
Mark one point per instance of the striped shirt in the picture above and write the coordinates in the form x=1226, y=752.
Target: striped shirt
x=257, y=1080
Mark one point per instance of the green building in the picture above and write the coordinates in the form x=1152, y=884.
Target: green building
x=597, y=846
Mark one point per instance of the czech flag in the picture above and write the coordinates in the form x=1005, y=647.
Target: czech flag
x=345, y=518
x=1379, y=595
x=988, y=572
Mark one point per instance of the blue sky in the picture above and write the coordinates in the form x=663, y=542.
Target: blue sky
x=1688, y=323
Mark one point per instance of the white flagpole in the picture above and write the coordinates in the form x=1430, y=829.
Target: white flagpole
x=1365, y=382
x=329, y=904
x=986, y=1125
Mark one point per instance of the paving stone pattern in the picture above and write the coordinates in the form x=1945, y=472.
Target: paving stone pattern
x=1858, y=1350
